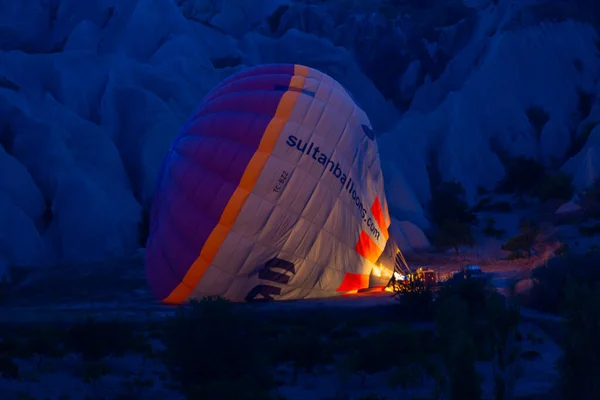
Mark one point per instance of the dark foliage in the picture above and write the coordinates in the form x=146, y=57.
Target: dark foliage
x=212, y=342
x=522, y=174
x=451, y=213
x=490, y=230
x=526, y=176
x=448, y=201
x=524, y=241
x=550, y=281
x=95, y=340
x=580, y=365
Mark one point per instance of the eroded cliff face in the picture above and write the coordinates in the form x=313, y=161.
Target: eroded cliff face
x=92, y=93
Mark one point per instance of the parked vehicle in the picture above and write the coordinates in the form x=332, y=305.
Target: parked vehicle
x=474, y=271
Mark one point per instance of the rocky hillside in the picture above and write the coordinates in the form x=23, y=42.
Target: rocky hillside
x=92, y=93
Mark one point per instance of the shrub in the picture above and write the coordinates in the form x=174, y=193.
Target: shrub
x=458, y=350
x=491, y=231
x=371, y=357
x=450, y=212
x=580, y=364
x=416, y=301
x=550, y=281
x=448, y=202
x=590, y=230
x=371, y=397
x=8, y=368
x=526, y=176
x=557, y=186
x=486, y=204
x=240, y=389
x=524, y=241
x=396, y=346
x=45, y=342
x=89, y=339
x=515, y=255
x=501, y=206
x=305, y=348
x=212, y=342
x=522, y=174
x=453, y=233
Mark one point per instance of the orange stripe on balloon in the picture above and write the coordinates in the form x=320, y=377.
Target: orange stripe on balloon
x=386, y=212
x=379, y=217
x=235, y=204
x=367, y=248
x=353, y=282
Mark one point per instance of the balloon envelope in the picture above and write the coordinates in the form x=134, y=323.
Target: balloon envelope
x=272, y=190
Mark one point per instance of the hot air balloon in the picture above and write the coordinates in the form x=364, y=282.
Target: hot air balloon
x=273, y=189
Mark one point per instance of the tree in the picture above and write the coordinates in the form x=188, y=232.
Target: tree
x=550, y=281
x=522, y=175
x=450, y=211
x=448, y=201
x=502, y=323
x=491, y=230
x=558, y=186
x=453, y=233
x=525, y=240
x=580, y=365
x=459, y=353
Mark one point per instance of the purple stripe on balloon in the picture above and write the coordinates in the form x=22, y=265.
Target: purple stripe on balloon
x=249, y=83
x=257, y=102
x=205, y=167
x=159, y=276
x=264, y=70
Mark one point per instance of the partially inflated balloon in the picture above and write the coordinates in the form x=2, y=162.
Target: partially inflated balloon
x=272, y=190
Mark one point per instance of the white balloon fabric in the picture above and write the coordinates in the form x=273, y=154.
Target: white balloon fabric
x=272, y=190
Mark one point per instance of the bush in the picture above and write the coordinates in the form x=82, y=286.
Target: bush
x=526, y=176
x=306, y=348
x=515, y=255
x=523, y=242
x=453, y=233
x=580, y=364
x=416, y=302
x=590, y=230
x=522, y=174
x=486, y=204
x=212, y=341
x=531, y=355
x=501, y=206
x=458, y=350
x=473, y=292
x=491, y=231
x=394, y=347
x=89, y=339
x=371, y=357
x=450, y=212
x=448, y=202
x=557, y=186
x=550, y=281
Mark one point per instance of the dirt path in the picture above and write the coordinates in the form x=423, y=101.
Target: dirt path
x=118, y=290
